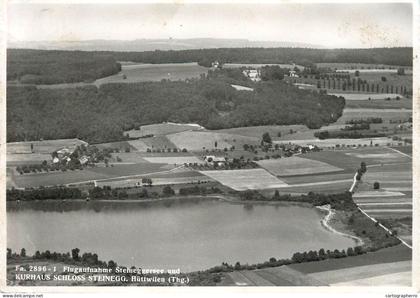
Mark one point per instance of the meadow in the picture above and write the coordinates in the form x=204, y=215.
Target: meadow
x=87, y=175
x=44, y=147
x=133, y=73
x=385, y=114
x=296, y=166
x=245, y=179
x=197, y=140
x=161, y=129
x=366, y=96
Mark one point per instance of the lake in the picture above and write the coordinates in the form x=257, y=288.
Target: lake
x=191, y=234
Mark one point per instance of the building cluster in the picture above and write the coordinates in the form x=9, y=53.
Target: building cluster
x=64, y=156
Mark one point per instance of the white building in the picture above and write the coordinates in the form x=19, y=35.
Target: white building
x=293, y=74
x=253, y=74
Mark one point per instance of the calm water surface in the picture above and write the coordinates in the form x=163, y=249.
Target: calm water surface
x=191, y=235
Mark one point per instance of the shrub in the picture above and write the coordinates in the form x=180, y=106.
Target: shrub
x=376, y=185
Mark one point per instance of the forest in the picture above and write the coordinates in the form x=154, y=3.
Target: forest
x=103, y=114
x=302, y=56
x=54, y=67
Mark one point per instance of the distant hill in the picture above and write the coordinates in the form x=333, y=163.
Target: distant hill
x=155, y=44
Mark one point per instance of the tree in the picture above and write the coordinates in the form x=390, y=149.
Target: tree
x=276, y=195
x=9, y=253
x=147, y=181
x=23, y=252
x=376, y=185
x=75, y=254
x=363, y=167
x=266, y=138
x=168, y=191
x=357, y=73
x=112, y=264
x=401, y=71
x=215, y=144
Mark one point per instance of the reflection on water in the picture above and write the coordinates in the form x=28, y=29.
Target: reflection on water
x=189, y=234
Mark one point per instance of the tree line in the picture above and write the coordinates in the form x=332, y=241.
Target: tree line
x=392, y=56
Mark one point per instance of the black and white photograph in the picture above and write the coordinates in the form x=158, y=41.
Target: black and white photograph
x=192, y=144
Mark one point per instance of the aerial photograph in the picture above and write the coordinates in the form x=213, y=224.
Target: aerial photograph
x=209, y=144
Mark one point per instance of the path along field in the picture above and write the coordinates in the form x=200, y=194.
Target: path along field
x=296, y=166
x=245, y=179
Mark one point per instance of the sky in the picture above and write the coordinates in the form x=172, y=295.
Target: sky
x=329, y=25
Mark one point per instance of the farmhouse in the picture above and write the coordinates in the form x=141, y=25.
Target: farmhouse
x=253, y=74
x=293, y=74
x=83, y=160
x=211, y=159
x=215, y=64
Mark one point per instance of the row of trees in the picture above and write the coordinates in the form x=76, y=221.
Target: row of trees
x=298, y=257
x=337, y=201
x=362, y=86
x=87, y=258
x=347, y=134
x=44, y=193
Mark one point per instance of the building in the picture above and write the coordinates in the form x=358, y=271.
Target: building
x=215, y=64
x=83, y=160
x=252, y=74
x=211, y=159
x=293, y=74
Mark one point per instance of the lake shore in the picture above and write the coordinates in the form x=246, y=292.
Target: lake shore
x=328, y=223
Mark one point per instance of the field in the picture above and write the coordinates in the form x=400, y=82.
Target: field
x=19, y=153
x=154, y=72
x=258, y=131
x=377, y=275
x=296, y=166
x=381, y=141
x=24, y=159
x=366, y=96
x=156, y=181
x=197, y=140
x=157, y=142
x=351, y=158
x=373, y=268
x=177, y=160
x=358, y=66
x=385, y=114
x=245, y=179
x=121, y=146
x=405, y=103
x=45, y=147
x=162, y=129
x=256, y=65
x=87, y=175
